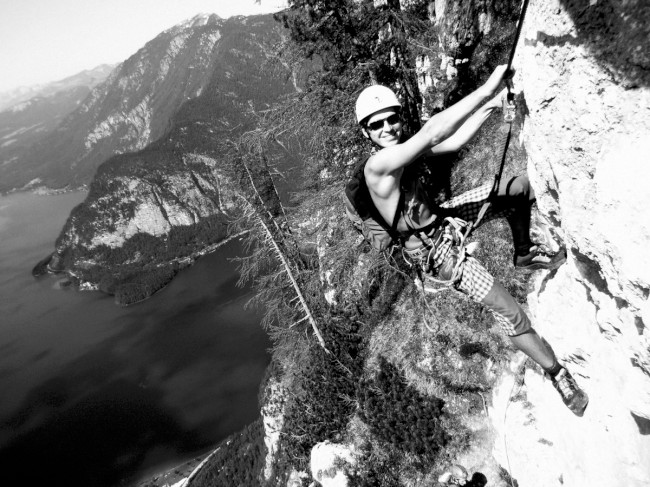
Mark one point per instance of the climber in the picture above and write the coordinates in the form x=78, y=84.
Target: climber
x=431, y=233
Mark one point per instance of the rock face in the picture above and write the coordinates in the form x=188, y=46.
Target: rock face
x=585, y=71
x=273, y=420
x=136, y=205
x=328, y=463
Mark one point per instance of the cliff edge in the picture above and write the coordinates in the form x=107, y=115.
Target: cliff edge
x=584, y=69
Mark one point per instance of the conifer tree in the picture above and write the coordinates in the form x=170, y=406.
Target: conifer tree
x=263, y=208
x=358, y=43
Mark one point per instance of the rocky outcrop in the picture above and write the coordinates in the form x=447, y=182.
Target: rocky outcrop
x=135, y=231
x=136, y=205
x=272, y=413
x=153, y=210
x=330, y=464
x=585, y=71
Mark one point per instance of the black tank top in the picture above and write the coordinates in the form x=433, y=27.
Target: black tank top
x=421, y=208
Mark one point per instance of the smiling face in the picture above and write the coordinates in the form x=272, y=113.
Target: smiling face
x=384, y=128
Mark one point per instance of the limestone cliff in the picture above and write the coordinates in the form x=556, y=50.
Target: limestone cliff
x=585, y=71
x=171, y=113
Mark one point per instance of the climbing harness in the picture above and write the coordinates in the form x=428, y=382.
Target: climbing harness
x=434, y=257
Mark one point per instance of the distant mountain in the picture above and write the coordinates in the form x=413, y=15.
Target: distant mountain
x=169, y=114
x=88, y=78
x=25, y=123
x=133, y=107
x=36, y=111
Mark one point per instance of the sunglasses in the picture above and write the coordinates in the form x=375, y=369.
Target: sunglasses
x=379, y=124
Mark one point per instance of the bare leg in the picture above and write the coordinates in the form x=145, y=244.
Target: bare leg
x=537, y=349
x=479, y=284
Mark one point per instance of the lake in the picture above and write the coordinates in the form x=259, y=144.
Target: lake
x=98, y=395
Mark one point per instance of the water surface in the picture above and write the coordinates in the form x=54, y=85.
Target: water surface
x=97, y=395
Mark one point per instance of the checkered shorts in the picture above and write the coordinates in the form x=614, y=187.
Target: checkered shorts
x=477, y=283
x=467, y=205
x=475, y=280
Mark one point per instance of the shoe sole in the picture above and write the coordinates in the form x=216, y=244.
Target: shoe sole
x=541, y=266
x=579, y=409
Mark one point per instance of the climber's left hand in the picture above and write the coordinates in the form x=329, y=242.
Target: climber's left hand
x=500, y=74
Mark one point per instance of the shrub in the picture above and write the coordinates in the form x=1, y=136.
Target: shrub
x=398, y=414
x=238, y=461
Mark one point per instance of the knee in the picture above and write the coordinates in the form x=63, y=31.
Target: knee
x=509, y=314
x=520, y=327
x=518, y=322
x=520, y=187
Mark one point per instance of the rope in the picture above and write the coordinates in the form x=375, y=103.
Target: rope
x=509, y=116
x=520, y=371
x=458, y=239
x=520, y=23
x=457, y=271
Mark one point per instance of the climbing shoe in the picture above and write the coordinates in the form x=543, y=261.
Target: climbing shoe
x=539, y=258
x=573, y=397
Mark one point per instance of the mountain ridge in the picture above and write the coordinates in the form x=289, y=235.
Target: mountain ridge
x=87, y=77
x=128, y=110
x=170, y=196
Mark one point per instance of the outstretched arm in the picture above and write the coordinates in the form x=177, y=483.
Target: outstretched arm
x=469, y=128
x=439, y=128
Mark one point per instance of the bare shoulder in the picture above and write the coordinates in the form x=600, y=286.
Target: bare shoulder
x=371, y=171
x=381, y=183
x=374, y=163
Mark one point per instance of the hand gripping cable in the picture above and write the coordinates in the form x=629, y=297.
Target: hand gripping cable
x=509, y=110
x=457, y=233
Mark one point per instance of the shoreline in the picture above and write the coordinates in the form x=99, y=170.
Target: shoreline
x=193, y=258
x=45, y=191
x=177, y=475
x=43, y=269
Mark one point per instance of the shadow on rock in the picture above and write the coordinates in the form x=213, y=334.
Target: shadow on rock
x=615, y=33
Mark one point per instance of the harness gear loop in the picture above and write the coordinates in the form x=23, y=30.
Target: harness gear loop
x=433, y=258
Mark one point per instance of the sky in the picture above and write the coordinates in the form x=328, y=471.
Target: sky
x=48, y=40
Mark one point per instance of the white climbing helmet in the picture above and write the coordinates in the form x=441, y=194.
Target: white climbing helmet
x=373, y=99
